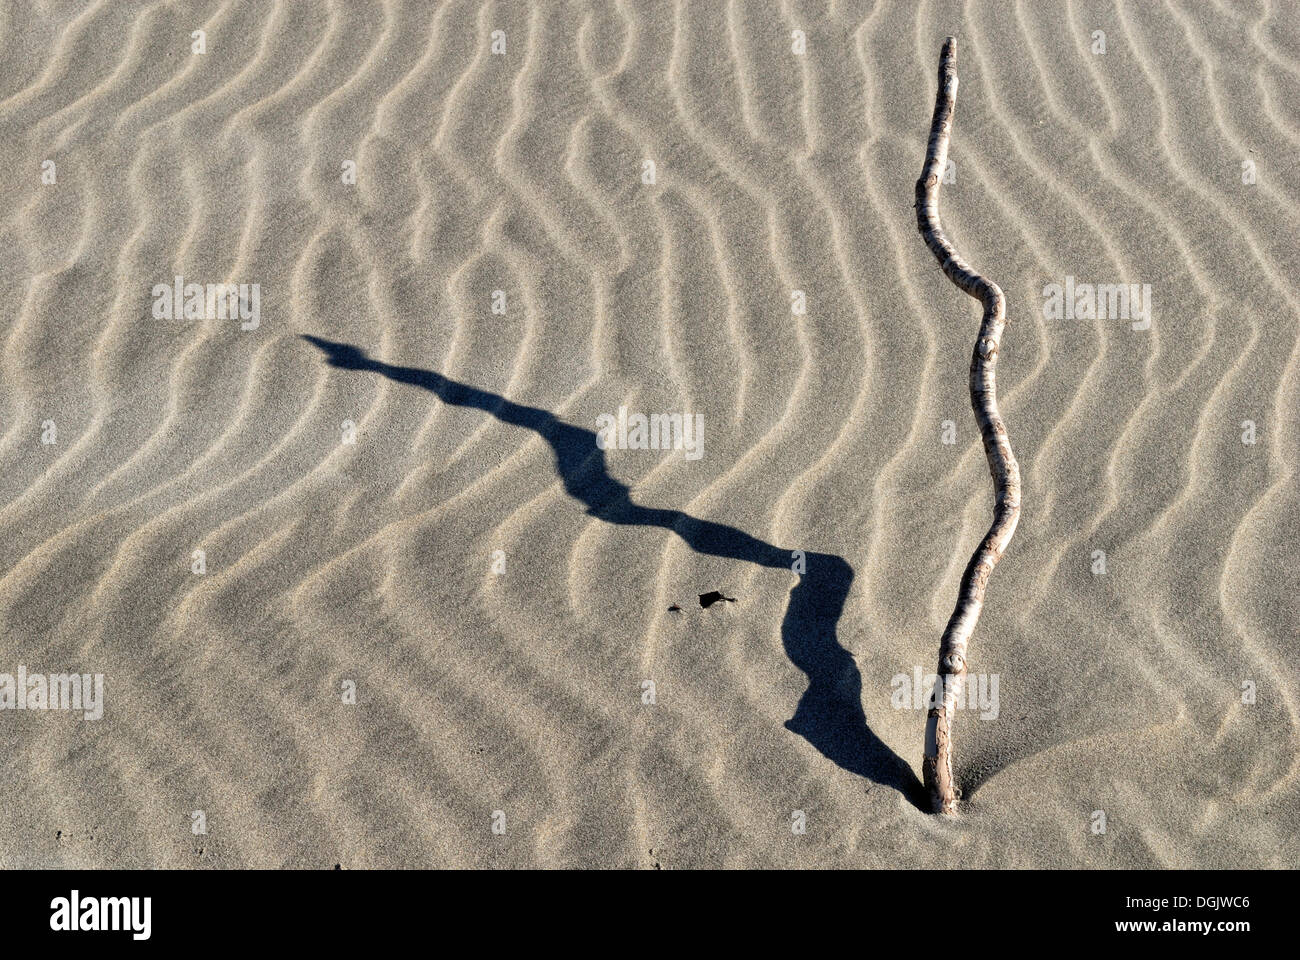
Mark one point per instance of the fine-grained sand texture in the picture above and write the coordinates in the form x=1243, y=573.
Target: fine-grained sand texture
x=505, y=270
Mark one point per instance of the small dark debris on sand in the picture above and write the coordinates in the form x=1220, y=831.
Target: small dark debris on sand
x=713, y=596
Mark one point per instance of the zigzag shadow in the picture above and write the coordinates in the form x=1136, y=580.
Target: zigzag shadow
x=829, y=715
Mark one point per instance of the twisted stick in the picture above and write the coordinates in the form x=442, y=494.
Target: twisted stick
x=937, y=764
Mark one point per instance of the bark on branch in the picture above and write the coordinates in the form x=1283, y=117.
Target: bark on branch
x=937, y=763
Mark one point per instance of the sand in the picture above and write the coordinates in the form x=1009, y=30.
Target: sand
x=358, y=677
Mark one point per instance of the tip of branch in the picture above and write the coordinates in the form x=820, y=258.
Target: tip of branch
x=948, y=65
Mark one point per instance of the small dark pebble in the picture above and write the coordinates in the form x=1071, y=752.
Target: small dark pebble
x=713, y=596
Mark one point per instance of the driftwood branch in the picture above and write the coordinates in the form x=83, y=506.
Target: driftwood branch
x=937, y=764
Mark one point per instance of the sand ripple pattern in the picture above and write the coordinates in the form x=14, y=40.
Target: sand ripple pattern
x=371, y=563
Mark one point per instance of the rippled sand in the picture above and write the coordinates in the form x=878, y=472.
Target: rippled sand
x=509, y=690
